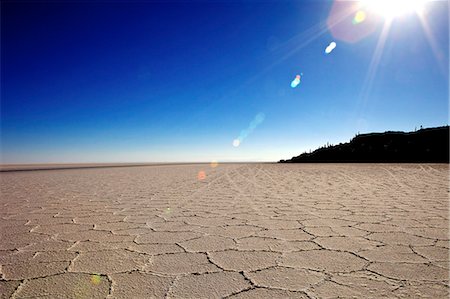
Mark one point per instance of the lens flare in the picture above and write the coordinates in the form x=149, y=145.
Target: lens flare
x=345, y=14
x=214, y=164
x=201, y=175
x=330, y=48
x=360, y=16
x=257, y=120
x=296, y=81
x=96, y=279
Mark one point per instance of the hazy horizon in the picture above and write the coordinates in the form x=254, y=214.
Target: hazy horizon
x=211, y=81
x=224, y=160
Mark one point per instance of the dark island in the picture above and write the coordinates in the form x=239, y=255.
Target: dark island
x=429, y=145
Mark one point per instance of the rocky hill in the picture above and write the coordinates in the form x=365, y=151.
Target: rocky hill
x=425, y=145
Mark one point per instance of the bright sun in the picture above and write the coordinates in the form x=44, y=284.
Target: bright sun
x=393, y=8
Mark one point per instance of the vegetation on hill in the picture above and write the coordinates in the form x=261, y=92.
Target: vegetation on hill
x=425, y=145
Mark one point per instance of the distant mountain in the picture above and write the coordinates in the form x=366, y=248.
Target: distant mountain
x=425, y=145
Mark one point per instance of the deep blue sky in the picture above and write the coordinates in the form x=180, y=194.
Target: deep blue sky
x=120, y=82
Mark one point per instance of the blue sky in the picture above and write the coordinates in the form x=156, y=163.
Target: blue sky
x=179, y=81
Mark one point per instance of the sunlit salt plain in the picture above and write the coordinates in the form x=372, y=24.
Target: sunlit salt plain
x=239, y=230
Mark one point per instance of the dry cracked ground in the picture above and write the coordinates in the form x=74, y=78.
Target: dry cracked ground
x=244, y=231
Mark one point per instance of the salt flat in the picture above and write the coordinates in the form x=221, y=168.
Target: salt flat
x=243, y=231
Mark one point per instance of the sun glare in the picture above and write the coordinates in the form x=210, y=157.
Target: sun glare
x=394, y=8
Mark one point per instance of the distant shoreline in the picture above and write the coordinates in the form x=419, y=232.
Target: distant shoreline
x=69, y=166
x=8, y=168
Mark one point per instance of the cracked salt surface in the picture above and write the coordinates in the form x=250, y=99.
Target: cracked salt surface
x=245, y=231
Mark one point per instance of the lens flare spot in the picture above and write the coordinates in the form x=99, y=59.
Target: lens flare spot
x=201, y=175
x=168, y=210
x=360, y=16
x=96, y=279
x=345, y=14
x=214, y=164
x=256, y=121
x=296, y=81
x=330, y=48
